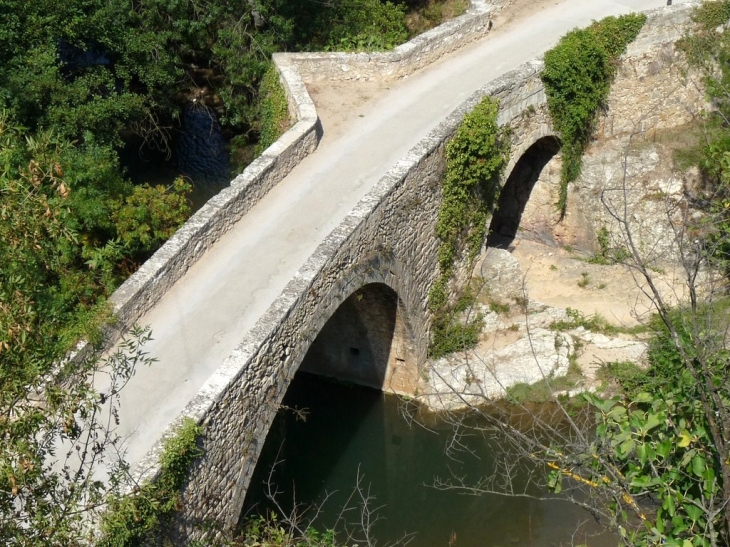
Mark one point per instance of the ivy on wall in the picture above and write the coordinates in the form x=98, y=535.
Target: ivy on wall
x=577, y=77
x=140, y=517
x=475, y=160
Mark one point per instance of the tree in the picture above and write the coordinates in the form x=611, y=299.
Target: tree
x=57, y=415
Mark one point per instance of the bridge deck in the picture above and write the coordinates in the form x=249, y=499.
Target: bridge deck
x=200, y=321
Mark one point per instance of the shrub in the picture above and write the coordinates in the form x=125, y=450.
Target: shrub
x=475, y=160
x=132, y=519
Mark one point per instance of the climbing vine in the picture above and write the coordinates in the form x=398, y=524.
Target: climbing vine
x=475, y=160
x=274, y=114
x=577, y=77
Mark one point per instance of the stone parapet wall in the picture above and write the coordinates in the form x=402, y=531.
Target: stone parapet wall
x=404, y=59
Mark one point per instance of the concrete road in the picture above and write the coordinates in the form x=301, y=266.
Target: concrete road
x=200, y=321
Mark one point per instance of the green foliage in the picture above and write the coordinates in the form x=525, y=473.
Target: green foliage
x=707, y=48
x=450, y=333
x=428, y=15
x=61, y=253
x=54, y=437
x=150, y=215
x=274, y=110
x=367, y=25
x=594, y=323
x=266, y=531
x=628, y=376
x=577, y=77
x=475, y=159
x=135, y=518
x=710, y=15
x=498, y=307
x=658, y=457
x=607, y=252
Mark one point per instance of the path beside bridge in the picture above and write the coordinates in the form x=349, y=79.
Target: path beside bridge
x=199, y=322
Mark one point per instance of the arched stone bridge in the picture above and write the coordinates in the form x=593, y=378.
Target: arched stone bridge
x=357, y=308
x=358, y=305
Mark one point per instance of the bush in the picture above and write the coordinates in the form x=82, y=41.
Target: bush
x=577, y=78
x=274, y=110
x=133, y=519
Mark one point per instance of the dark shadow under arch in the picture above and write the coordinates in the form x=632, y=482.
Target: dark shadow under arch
x=362, y=340
x=516, y=191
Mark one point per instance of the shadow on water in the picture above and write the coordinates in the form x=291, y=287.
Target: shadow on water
x=353, y=432
x=196, y=150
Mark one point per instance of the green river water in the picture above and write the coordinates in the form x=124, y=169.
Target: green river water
x=353, y=432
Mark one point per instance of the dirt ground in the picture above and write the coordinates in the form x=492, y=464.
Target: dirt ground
x=563, y=279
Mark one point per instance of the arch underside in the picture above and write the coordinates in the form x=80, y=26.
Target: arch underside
x=366, y=341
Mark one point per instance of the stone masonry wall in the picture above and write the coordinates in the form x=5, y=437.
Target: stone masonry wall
x=653, y=89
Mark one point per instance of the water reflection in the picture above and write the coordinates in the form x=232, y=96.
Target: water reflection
x=353, y=434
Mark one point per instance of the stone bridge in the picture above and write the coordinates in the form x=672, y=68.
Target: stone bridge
x=357, y=309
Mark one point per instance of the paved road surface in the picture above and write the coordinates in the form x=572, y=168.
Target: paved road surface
x=201, y=320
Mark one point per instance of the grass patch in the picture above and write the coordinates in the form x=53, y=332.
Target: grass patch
x=546, y=389
x=498, y=307
x=607, y=252
x=625, y=375
x=594, y=323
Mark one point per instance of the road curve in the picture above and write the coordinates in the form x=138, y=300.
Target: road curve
x=199, y=322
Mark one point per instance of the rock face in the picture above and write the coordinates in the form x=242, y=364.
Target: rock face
x=524, y=345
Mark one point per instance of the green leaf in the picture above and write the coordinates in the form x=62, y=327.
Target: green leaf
x=664, y=448
x=699, y=465
x=693, y=512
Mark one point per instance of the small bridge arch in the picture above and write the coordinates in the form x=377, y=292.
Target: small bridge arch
x=518, y=186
